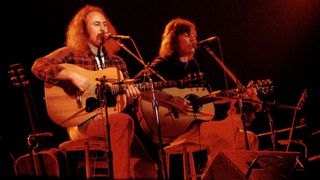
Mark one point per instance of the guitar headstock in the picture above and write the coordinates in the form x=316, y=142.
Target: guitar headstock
x=18, y=75
x=302, y=100
x=195, y=80
x=264, y=86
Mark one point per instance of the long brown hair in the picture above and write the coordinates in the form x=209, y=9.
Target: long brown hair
x=173, y=29
x=77, y=36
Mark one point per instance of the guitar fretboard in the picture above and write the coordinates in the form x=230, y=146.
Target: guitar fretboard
x=146, y=86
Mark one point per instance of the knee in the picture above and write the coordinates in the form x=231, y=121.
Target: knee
x=122, y=120
x=253, y=140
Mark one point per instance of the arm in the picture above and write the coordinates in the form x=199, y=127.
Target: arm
x=131, y=91
x=167, y=100
x=47, y=68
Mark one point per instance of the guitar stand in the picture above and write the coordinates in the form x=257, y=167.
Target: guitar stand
x=273, y=134
x=33, y=146
x=243, y=123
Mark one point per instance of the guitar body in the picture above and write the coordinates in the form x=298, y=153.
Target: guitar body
x=172, y=122
x=40, y=163
x=66, y=107
x=46, y=163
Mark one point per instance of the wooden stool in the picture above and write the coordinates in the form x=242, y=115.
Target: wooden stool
x=86, y=153
x=187, y=151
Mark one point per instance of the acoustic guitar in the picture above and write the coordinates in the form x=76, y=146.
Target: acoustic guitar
x=173, y=122
x=67, y=107
x=40, y=161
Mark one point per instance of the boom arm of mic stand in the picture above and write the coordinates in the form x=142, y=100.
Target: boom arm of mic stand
x=231, y=75
x=140, y=60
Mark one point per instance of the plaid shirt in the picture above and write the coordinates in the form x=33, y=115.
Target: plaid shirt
x=47, y=68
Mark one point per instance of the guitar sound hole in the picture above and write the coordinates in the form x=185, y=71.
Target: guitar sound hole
x=91, y=104
x=111, y=99
x=196, y=106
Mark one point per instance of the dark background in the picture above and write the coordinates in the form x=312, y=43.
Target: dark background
x=276, y=39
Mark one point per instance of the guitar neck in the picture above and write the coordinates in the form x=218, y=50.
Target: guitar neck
x=146, y=86
x=20, y=79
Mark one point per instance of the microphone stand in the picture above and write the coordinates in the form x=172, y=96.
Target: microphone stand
x=155, y=105
x=239, y=85
x=271, y=126
x=162, y=166
x=102, y=91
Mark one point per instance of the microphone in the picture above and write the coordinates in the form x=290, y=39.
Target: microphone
x=206, y=41
x=115, y=36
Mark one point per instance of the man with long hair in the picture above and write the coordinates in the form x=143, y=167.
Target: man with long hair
x=88, y=47
x=176, y=62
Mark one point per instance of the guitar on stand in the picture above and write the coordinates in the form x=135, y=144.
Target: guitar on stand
x=37, y=161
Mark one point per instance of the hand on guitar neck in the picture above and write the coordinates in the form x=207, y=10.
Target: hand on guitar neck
x=250, y=94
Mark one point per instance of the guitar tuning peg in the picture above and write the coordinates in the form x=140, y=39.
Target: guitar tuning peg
x=195, y=75
x=20, y=70
x=16, y=84
x=250, y=84
x=23, y=77
x=11, y=72
x=269, y=81
x=25, y=83
x=201, y=74
x=14, y=78
x=189, y=76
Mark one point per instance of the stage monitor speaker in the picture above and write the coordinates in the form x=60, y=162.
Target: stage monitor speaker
x=237, y=164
